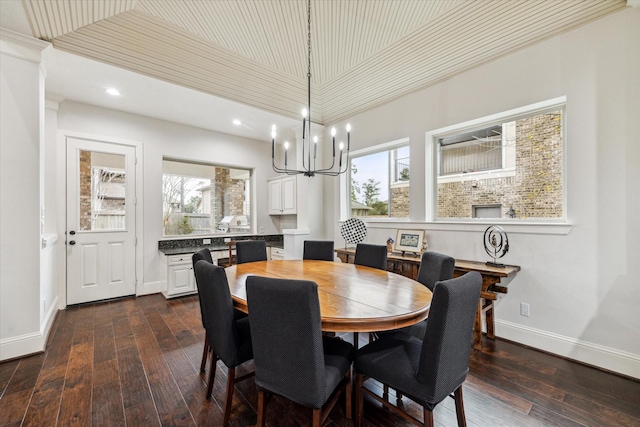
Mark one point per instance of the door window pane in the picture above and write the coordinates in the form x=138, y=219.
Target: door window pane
x=102, y=191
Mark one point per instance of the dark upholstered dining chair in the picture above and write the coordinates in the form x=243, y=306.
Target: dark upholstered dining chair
x=371, y=255
x=321, y=250
x=429, y=370
x=292, y=358
x=434, y=267
x=229, y=337
x=204, y=255
x=374, y=256
x=250, y=251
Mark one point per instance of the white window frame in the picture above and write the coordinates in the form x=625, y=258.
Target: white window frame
x=431, y=164
x=345, y=179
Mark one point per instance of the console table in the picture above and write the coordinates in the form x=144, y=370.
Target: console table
x=408, y=265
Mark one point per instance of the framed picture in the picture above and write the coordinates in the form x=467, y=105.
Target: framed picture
x=409, y=241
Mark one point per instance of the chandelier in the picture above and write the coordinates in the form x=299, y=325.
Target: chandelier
x=309, y=159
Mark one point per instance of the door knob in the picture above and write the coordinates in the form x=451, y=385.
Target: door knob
x=72, y=242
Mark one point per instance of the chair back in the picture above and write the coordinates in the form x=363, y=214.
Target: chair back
x=321, y=250
x=205, y=255
x=202, y=254
x=371, y=255
x=218, y=315
x=434, y=267
x=444, y=358
x=251, y=250
x=286, y=332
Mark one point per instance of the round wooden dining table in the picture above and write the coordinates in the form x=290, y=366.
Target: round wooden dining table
x=353, y=298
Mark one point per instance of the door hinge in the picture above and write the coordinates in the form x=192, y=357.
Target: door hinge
x=135, y=241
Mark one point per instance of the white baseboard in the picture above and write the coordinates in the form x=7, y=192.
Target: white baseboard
x=150, y=288
x=593, y=354
x=31, y=343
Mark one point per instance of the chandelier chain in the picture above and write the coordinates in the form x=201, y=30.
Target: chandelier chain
x=309, y=38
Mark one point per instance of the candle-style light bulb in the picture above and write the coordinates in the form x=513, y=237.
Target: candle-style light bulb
x=286, y=150
x=348, y=136
x=273, y=142
x=315, y=146
x=304, y=121
x=333, y=136
x=341, y=146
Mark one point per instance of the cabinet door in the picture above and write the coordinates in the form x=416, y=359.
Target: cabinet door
x=181, y=279
x=289, y=195
x=275, y=197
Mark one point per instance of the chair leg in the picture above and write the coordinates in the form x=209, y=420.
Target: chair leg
x=428, y=418
x=355, y=340
x=262, y=407
x=462, y=421
x=317, y=417
x=348, y=393
x=205, y=353
x=359, y=399
x=231, y=377
x=212, y=374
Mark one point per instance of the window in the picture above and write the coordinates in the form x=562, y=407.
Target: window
x=102, y=191
x=379, y=181
x=508, y=166
x=205, y=199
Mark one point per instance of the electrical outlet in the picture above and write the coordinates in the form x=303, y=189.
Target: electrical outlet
x=206, y=241
x=261, y=230
x=524, y=309
x=227, y=239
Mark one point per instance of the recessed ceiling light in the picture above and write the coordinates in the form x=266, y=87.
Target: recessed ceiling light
x=113, y=91
x=237, y=122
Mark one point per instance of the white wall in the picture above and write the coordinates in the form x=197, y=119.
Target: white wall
x=583, y=286
x=22, y=106
x=160, y=138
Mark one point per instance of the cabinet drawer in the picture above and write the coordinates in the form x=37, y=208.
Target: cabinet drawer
x=277, y=253
x=179, y=259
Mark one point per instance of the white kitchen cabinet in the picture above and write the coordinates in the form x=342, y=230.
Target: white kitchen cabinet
x=282, y=196
x=180, y=278
x=277, y=253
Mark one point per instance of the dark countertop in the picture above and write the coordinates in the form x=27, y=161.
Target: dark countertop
x=193, y=249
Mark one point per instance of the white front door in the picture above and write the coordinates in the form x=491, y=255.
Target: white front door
x=101, y=235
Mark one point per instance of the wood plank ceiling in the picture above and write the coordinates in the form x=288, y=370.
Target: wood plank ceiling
x=364, y=52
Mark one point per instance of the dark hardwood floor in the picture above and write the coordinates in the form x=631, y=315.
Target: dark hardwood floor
x=136, y=362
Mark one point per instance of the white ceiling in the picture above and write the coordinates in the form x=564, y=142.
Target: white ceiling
x=214, y=60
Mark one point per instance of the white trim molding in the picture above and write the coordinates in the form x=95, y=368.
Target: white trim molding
x=149, y=288
x=571, y=348
x=34, y=342
x=21, y=46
